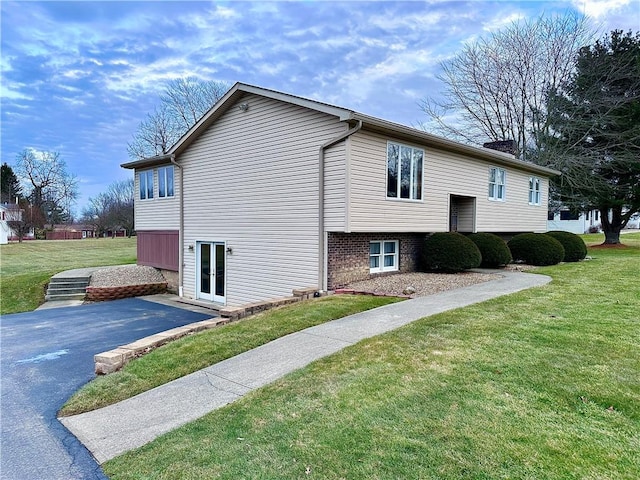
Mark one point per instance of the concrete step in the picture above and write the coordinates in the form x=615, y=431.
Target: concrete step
x=65, y=290
x=70, y=281
x=71, y=288
x=69, y=296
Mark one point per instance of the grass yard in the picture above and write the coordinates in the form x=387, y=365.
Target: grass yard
x=195, y=352
x=25, y=268
x=542, y=384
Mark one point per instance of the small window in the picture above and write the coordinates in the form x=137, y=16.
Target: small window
x=146, y=184
x=568, y=215
x=497, y=183
x=383, y=256
x=551, y=215
x=534, y=191
x=404, y=171
x=165, y=181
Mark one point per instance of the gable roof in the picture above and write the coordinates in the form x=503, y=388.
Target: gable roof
x=368, y=123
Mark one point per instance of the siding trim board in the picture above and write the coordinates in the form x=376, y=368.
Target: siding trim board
x=159, y=249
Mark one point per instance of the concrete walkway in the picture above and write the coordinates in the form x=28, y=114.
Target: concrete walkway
x=116, y=429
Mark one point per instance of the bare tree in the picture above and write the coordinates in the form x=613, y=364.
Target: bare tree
x=183, y=103
x=495, y=88
x=112, y=209
x=53, y=188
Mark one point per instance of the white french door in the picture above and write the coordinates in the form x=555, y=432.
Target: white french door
x=211, y=275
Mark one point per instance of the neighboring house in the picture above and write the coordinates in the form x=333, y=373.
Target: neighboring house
x=70, y=232
x=269, y=192
x=568, y=221
x=11, y=212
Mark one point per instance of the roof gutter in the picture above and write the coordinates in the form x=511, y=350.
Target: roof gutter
x=172, y=159
x=322, y=274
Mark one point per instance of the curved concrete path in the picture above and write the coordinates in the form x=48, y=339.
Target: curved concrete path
x=116, y=429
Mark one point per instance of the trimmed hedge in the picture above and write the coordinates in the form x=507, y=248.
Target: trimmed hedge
x=536, y=249
x=494, y=250
x=574, y=247
x=450, y=252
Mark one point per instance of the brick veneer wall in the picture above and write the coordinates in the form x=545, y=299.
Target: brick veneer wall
x=348, y=255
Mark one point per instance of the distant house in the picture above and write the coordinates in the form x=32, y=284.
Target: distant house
x=10, y=212
x=574, y=222
x=70, y=232
x=269, y=192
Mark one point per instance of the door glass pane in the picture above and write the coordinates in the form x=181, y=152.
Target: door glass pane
x=220, y=260
x=205, y=268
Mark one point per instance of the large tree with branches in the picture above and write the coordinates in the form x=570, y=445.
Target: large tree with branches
x=594, y=137
x=495, y=88
x=183, y=103
x=53, y=189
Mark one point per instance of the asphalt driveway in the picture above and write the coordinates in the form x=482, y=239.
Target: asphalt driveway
x=45, y=356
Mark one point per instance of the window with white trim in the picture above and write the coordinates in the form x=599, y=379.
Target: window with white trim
x=497, y=183
x=165, y=181
x=384, y=256
x=404, y=171
x=534, y=191
x=146, y=184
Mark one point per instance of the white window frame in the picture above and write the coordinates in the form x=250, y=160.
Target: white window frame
x=534, y=190
x=381, y=256
x=166, y=179
x=145, y=193
x=416, y=187
x=494, y=185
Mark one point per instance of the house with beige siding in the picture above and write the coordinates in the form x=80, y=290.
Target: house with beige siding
x=271, y=192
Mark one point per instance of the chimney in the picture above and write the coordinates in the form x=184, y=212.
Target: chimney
x=504, y=146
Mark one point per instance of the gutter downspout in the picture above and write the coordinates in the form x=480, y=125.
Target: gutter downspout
x=322, y=280
x=180, y=232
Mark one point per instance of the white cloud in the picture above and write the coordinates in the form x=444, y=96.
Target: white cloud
x=601, y=8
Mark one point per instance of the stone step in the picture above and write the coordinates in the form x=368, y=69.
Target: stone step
x=67, y=288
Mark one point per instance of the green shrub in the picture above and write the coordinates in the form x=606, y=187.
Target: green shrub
x=574, y=247
x=536, y=249
x=494, y=250
x=450, y=252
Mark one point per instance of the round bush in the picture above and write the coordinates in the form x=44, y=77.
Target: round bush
x=494, y=250
x=536, y=249
x=450, y=252
x=574, y=247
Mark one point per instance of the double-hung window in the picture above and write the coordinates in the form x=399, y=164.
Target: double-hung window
x=383, y=256
x=534, y=191
x=497, y=182
x=146, y=184
x=404, y=171
x=165, y=181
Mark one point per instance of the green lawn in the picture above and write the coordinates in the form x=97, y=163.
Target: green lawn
x=25, y=268
x=542, y=384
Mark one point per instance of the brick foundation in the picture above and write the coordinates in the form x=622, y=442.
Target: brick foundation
x=348, y=255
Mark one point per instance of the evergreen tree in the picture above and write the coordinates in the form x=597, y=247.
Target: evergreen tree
x=10, y=189
x=595, y=132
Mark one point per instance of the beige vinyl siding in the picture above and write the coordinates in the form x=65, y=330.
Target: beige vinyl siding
x=444, y=174
x=251, y=181
x=157, y=213
x=335, y=189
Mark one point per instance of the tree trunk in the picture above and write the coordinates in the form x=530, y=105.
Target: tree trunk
x=611, y=226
